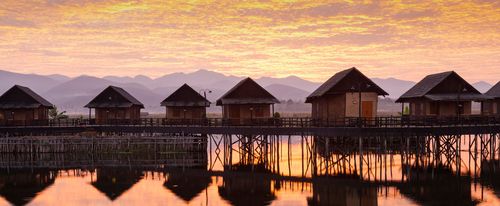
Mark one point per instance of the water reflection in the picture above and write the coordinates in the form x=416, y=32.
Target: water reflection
x=114, y=181
x=187, y=186
x=342, y=192
x=247, y=189
x=490, y=175
x=285, y=177
x=19, y=187
x=437, y=186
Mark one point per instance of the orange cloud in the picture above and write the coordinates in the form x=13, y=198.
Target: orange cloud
x=311, y=39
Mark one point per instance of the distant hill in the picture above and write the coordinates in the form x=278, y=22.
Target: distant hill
x=37, y=83
x=72, y=93
x=394, y=87
x=291, y=81
x=284, y=92
x=482, y=86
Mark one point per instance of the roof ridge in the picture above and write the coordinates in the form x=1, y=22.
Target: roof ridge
x=238, y=86
x=336, y=79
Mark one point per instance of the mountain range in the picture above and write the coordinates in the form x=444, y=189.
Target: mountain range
x=72, y=93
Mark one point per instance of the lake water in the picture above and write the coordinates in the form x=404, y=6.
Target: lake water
x=386, y=179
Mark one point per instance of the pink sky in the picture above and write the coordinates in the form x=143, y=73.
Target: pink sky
x=309, y=39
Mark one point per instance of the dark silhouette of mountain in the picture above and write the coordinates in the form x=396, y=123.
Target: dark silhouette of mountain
x=292, y=81
x=201, y=78
x=72, y=93
x=37, y=83
x=59, y=78
x=284, y=92
x=395, y=87
x=140, y=79
x=482, y=86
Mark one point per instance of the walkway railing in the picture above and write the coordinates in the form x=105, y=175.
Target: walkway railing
x=376, y=122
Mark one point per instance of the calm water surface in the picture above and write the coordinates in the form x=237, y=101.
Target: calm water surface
x=128, y=180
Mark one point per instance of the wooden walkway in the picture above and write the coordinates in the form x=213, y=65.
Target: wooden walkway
x=268, y=126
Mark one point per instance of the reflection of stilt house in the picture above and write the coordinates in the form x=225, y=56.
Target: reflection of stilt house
x=247, y=101
x=247, y=190
x=187, y=186
x=492, y=106
x=115, y=105
x=442, y=94
x=438, y=187
x=185, y=103
x=113, y=182
x=20, y=187
x=21, y=106
x=348, y=93
x=490, y=173
x=342, y=193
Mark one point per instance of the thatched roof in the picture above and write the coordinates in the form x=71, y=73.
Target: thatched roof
x=445, y=86
x=247, y=190
x=494, y=92
x=113, y=182
x=185, y=96
x=247, y=91
x=20, y=187
x=186, y=186
x=346, y=81
x=114, y=97
x=19, y=97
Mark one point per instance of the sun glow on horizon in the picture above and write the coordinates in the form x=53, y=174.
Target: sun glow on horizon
x=312, y=40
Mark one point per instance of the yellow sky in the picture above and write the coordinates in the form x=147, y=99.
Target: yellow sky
x=312, y=39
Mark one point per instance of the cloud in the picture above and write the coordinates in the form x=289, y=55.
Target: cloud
x=13, y=22
x=413, y=14
x=312, y=39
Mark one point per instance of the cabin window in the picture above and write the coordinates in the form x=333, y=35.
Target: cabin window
x=176, y=112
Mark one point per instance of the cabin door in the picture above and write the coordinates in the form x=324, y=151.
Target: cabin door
x=367, y=109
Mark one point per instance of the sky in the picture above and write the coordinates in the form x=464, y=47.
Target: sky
x=405, y=39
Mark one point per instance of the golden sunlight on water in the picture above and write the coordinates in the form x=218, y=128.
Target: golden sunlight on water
x=389, y=179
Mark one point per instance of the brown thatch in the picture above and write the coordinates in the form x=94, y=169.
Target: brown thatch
x=494, y=92
x=247, y=91
x=187, y=186
x=346, y=81
x=446, y=86
x=114, y=97
x=185, y=96
x=113, y=182
x=19, y=97
x=19, y=187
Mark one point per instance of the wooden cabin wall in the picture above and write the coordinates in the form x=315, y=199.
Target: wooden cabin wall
x=242, y=111
x=328, y=107
x=432, y=108
x=191, y=112
x=129, y=113
x=24, y=116
x=491, y=107
x=368, y=99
